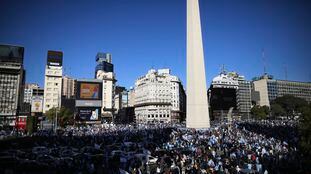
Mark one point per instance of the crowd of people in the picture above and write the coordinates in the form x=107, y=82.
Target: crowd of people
x=238, y=147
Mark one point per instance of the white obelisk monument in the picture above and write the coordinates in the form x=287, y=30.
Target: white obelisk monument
x=197, y=104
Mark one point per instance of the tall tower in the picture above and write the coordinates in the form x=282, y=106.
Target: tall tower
x=197, y=104
x=53, y=80
x=104, y=71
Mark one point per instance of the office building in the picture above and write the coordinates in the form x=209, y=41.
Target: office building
x=269, y=89
x=120, y=98
x=28, y=91
x=131, y=97
x=68, y=87
x=159, y=97
x=104, y=72
x=12, y=81
x=230, y=90
x=244, y=97
x=53, y=80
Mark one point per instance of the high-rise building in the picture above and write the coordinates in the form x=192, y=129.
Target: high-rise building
x=68, y=87
x=120, y=98
x=53, y=80
x=104, y=72
x=197, y=104
x=12, y=81
x=230, y=90
x=28, y=91
x=131, y=97
x=269, y=89
x=159, y=97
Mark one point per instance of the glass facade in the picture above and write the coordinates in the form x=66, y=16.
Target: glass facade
x=103, y=63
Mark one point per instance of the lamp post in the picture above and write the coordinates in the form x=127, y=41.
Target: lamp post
x=56, y=110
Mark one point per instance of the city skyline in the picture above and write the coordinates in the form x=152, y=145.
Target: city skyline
x=136, y=41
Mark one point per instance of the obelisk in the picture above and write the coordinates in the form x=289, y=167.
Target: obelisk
x=197, y=104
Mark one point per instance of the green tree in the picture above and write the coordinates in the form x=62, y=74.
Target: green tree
x=64, y=116
x=290, y=104
x=277, y=110
x=260, y=112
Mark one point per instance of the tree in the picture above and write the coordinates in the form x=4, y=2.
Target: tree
x=260, y=112
x=290, y=104
x=65, y=116
x=277, y=110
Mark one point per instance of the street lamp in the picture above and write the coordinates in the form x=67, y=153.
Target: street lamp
x=56, y=110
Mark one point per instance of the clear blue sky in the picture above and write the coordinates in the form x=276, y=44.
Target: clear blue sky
x=141, y=34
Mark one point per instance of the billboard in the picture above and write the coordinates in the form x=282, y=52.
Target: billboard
x=89, y=114
x=223, y=98
x=55, y=58
x=89, y=90
x=9, y=53
x=88, y=103
x=37, y=104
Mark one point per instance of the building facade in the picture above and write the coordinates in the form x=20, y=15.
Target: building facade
x=68, y=87
x=12, y=81
x=244, y=97
x=131, y=97
x=157, y=97
x=104, y=72
x=269, y=89
x=53, y=80
x=230, y=90
x=28, y=91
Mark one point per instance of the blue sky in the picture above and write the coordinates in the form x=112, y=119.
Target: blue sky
x=141, y=34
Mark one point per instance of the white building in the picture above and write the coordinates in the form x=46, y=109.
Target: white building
x=104, y=72
x=159, y=97
x=28, y=91
x=53, y=80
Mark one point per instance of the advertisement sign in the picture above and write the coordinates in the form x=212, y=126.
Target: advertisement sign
x=11, y=53
x=223, y=98
x=88, y=103
x=89, y=114
x=21, y=122
x=89, y=91
x=55, y=58
x=37, y=104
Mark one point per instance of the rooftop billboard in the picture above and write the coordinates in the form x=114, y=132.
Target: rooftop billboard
x=89, y=114
x=9, y=53
x=89, y=90
x=55, y=58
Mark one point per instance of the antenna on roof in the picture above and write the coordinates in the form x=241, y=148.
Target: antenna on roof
x=264, y=62
x=222, y=69
x=285, y=71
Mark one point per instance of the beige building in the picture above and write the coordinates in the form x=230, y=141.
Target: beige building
x=68, y=87
x=159, y=97
x=131, y=97
x=53, y=80
x=269, y=89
